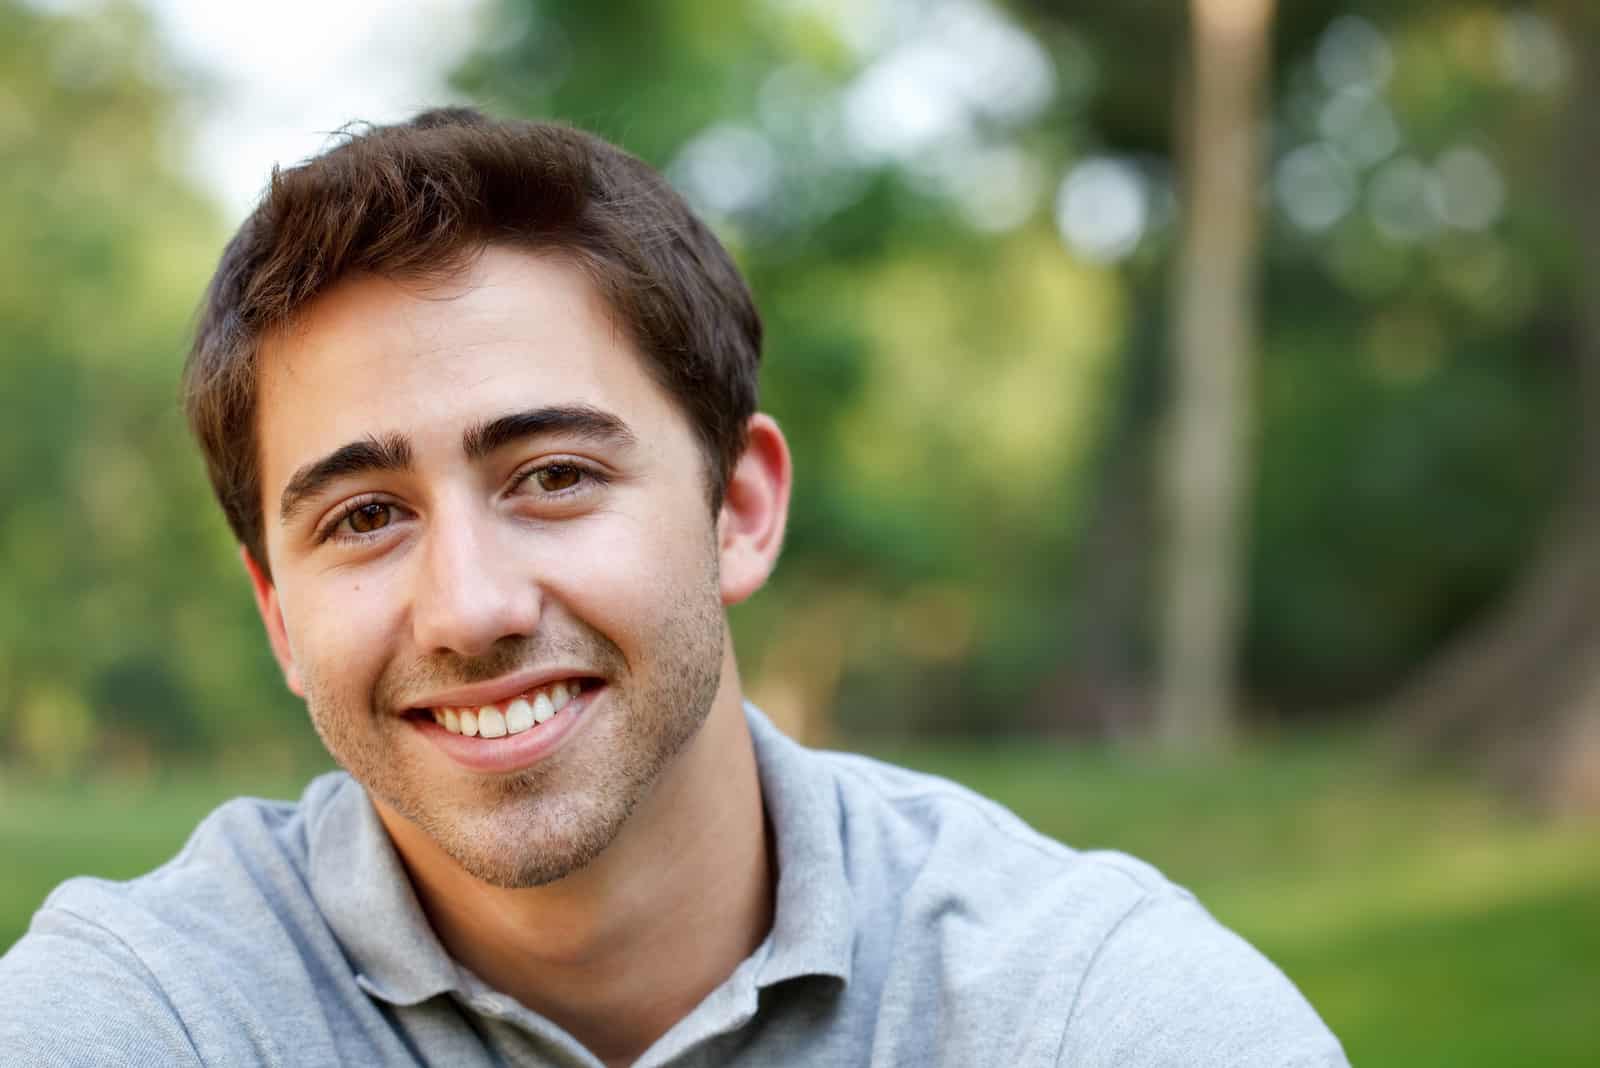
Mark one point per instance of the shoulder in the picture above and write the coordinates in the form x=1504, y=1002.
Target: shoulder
x=75, y=993
x=941, y=828
x=1079, y=957
x=246, y=852
x=1170, y=985
x=110, y=971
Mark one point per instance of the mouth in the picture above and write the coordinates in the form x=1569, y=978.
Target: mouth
x=532, y=710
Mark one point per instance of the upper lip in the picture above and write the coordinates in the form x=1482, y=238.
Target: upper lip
x=497, y=690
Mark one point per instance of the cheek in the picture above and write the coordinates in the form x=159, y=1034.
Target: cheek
x=632, y=576
x=339, y=628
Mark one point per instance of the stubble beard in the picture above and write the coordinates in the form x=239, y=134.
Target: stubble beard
x=546, y=822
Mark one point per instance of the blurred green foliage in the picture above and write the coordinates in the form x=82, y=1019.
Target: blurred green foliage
x=970, y=394
x=124, y=632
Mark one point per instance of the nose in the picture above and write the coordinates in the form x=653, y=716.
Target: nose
x=470, y=590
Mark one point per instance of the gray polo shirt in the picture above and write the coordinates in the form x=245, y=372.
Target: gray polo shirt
x=916, y=924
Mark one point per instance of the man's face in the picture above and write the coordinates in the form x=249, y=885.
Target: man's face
x=473, y=492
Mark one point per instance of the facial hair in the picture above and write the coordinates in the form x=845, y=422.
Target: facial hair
x=548, y=821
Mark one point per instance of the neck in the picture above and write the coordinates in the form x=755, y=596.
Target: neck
x=620, y=951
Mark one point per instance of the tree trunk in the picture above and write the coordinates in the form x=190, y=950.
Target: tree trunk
x=1521, y=691
x=1103, y=688
x=1214, y=342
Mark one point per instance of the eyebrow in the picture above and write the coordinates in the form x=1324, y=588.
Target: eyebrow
x=392, y=452
x=575, y=420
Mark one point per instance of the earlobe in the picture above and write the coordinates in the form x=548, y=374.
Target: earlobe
x=755, y=511
x=272, y=618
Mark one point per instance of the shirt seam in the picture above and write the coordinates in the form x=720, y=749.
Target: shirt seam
x=1094, y=960
x=149, y=973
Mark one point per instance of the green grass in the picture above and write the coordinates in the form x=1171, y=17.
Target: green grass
x=1430, y=923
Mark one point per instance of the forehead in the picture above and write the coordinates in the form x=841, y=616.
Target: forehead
x=376, y=356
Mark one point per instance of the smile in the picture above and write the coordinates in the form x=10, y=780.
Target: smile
x=514, y=715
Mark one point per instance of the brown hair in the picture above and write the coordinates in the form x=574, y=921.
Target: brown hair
x=416, y=200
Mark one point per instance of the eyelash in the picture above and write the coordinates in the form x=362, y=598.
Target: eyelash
x=330, y=530
x=587, y=476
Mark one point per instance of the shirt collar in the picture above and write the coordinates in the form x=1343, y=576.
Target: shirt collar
x=813, y=926
x=364, y=893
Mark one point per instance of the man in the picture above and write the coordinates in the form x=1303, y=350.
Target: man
x=478, y=399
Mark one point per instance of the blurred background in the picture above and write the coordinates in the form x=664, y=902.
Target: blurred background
x=1196, y=406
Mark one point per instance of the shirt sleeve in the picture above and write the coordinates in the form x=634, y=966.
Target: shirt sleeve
x=73, y=994
x=1171, y=987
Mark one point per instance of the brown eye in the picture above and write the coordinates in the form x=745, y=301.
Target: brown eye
x=370, y=517
x=557, y=477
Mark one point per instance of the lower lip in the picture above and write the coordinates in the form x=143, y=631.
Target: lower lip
x=512, y=752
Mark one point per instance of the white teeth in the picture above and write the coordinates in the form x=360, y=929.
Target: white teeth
x=487, y=721
x=491, y=724
x=519, y=716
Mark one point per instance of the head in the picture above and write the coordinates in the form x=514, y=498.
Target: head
x=478, y=401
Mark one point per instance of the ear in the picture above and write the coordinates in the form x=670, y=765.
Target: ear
x=755, y=510
x=272, y=616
